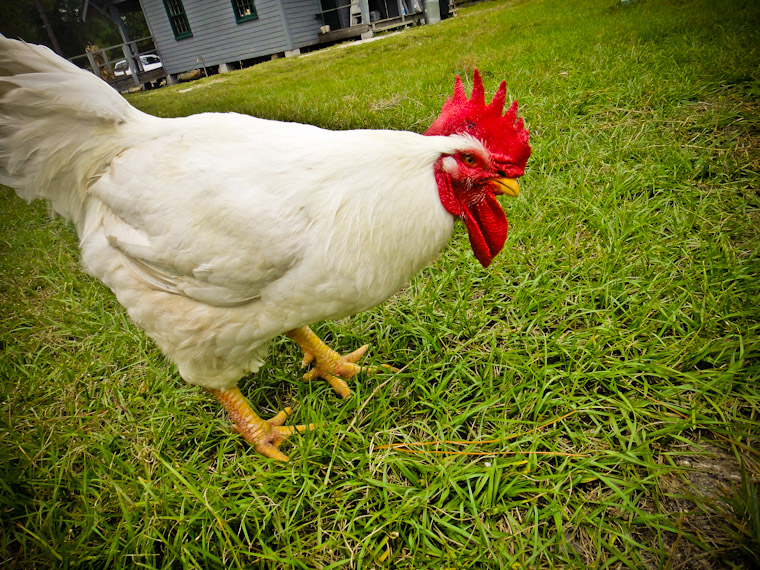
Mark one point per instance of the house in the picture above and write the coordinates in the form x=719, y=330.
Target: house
x=191, y=34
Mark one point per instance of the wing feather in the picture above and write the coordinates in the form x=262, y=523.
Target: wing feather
x=185, y=229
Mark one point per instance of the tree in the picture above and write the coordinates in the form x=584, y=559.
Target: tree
x=25, y=19
x=48, y=26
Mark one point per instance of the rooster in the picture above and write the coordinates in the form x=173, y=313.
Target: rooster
x=218, y=232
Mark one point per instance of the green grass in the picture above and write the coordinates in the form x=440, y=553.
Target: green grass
x=604, y=369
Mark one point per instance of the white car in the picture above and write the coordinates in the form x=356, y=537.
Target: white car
x=149, y=62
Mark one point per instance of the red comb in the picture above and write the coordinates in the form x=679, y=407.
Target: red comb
x=504, y=136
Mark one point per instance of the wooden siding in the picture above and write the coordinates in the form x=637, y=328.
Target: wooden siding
x=217, y=38
x=303, y=21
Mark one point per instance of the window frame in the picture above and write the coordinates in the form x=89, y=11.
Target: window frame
x=239, y=19
x=181, y=14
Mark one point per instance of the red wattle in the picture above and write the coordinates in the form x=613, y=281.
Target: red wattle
x=487, y=227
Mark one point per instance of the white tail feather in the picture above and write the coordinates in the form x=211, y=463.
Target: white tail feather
x=59, y=127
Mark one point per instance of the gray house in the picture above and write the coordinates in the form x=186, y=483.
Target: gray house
x=190, y=34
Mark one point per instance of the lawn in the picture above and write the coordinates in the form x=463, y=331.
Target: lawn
x=591, y=400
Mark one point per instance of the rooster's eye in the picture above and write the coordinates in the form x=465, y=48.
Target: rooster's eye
x=469, y=160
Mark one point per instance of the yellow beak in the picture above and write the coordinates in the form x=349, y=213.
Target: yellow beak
x=508, y=186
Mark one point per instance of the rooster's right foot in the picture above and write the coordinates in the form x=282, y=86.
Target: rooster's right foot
x=327, y=363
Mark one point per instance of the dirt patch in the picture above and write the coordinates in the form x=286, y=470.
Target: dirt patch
x=699, y=500
x=202, y=85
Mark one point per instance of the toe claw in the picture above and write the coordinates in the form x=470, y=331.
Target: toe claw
x=281, y=417
x=312, y=374
x=357, y=354
x=302, y=428
x=270, y=450
x=338, y=384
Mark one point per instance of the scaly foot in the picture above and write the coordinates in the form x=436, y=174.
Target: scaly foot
x=265, y=435
x=328, y=364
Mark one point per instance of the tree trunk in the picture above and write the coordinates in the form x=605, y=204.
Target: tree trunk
x=48, y=28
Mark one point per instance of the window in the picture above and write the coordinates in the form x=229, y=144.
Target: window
x=244, y=10
x=178, y=19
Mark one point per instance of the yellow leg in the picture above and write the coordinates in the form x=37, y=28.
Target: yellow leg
x=265, y=435
x=328, y=364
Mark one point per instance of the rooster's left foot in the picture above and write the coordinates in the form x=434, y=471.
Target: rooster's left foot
x=265, y=435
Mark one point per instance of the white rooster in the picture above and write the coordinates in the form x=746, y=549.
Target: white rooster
x=219, y=232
